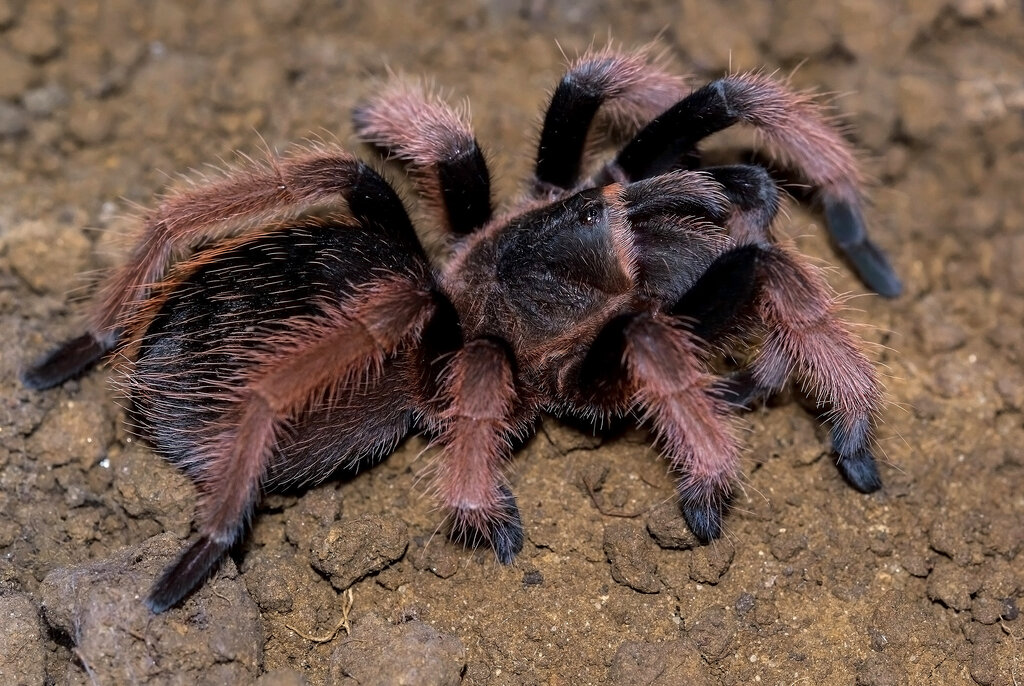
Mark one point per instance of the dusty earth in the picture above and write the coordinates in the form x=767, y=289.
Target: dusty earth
x=102, y=103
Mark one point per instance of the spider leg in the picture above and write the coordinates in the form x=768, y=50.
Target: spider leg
x=795, y=129
x=649, y=361
x=66, y=361
x=761, y=282
x=626, y=88
x=254, y=198
x=667, y=372
x=437, y=142
x=317, y=359
x=475, y=439
x=804, y=337
x=792, y=299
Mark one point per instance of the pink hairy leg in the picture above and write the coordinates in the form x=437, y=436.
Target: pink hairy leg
x=477, y=426
x=674, y=389
x=255, y=196
x=634, y=87
x=436, y=141
x=805, y=338
x=622, y=91
x=316, y=359
x=795, y=130
x=252, y=198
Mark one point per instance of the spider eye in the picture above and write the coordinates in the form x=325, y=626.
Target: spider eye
x=590, y=215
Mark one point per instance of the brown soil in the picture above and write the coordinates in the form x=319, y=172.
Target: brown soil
x=102, y=101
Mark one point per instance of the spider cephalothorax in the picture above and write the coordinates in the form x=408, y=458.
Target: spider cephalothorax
x=293, y=342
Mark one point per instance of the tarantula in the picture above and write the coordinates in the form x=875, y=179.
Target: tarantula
x=267, y=344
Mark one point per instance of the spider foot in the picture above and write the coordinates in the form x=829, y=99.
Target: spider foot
x=502, y=528
x=703, y=516
x=860, y=470
x=846, y=225
x=188, y=572
x=854, y=459
x=64, y=362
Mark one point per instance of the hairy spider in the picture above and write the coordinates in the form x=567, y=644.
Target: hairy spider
x=267, y=344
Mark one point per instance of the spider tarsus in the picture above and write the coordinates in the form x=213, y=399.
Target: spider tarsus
x=191, y=568
x=704, y=518
x=850, y=446
x=860, y=470
x=507, y=530
x=501, y=528
x=64, y=362
x=846, y=226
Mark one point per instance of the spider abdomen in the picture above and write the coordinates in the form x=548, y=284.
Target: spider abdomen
x=208, y=332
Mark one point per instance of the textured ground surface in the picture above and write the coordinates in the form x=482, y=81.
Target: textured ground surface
x=101, y=102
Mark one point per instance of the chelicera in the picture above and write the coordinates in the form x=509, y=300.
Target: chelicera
x=286, y=319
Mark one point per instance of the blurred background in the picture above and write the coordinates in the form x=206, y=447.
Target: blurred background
x=104, y=103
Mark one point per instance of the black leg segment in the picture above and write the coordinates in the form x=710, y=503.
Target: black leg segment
x=507, y=532
x=703, y=518
x=853, y=457
x=408, y=123
x=373, y=202
x=194, y=565
x=751, y=191
x=504, y=532
x=846, y=226
x=466, y=190
x=602, y=374
x=722, y=295
x=64, y=362
x=562, y=140
x=740, y=389
x=673, y=136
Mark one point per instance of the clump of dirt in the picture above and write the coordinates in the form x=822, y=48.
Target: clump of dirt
x=919, y=583
x=97, y=607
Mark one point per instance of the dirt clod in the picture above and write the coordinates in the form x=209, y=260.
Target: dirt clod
x=666, y=524
x=22, y=651
x=713, y=633
x=49, y=257
x=354, y=548
x=708, y=563
x=952, y=586
x=215, y=634
x=631, y=554
x=410, y=654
